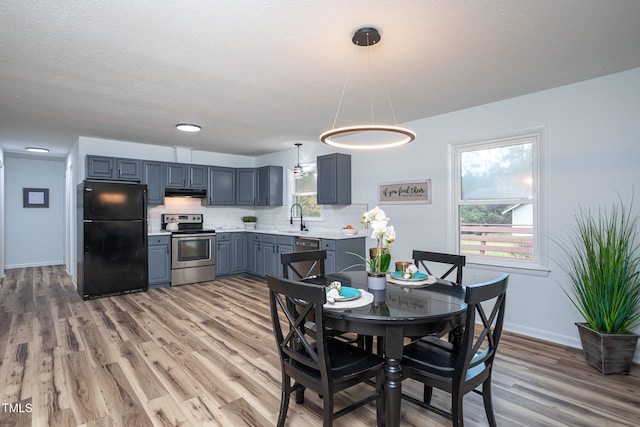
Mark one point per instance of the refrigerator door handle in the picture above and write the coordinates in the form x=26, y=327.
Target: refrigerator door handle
x=87, y=220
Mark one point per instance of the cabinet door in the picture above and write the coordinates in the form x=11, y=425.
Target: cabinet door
x=246, y=186
x=153, y=176
x=258, y=265
x=197, y=177
x=270, y=186
x=223, y=254
x=159, y=261
x=175, y=175
x=330, y=262
x=129, y=170
x=99, y=167
x=334, y=179
x=248, y=252
x=238, y=253
x=269, y=258
x=222, y=189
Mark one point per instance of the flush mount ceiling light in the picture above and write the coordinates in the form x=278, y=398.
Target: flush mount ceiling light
x=298, y=172
x=38, y=150
x=366, y=136
x=188, y=127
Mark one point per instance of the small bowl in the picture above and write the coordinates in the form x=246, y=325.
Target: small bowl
x=349, y=231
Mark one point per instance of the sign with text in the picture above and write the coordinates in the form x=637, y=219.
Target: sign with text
x=405, y=192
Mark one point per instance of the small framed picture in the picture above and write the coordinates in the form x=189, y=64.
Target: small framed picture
x=35, y=197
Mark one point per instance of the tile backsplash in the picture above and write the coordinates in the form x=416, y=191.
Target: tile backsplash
x=269, y=218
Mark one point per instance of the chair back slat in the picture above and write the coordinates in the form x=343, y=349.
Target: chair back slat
x=480, y=348
x=299, y=265
x=456, y=262
x=291, y=303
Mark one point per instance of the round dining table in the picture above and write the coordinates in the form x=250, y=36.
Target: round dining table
x=395, y=313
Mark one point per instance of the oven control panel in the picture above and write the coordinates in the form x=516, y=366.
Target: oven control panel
x=182, y=218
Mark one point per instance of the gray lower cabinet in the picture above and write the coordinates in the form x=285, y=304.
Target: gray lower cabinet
x=256, y=256
x=337, y=257
x=223, y=254
x=153, y=176
x=159, y=249
x=238, y=258
x=222, y=186
x=272, y=247
x=113, y=168
x=259, y=254
x=334, y=179
x=231, y=256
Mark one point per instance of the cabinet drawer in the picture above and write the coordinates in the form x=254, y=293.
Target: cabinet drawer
x=285, y=240
x=329, y=245
x=257, y=237
x=269, y=238
x=159, y=240
x=222, y=237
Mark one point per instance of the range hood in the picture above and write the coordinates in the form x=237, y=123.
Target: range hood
x=185, y=192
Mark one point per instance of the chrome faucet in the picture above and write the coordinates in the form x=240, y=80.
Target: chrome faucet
x=302, y=227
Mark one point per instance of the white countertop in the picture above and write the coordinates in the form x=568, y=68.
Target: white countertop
x=312, y=234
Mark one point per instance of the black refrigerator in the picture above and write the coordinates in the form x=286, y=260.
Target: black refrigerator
x=112, y=238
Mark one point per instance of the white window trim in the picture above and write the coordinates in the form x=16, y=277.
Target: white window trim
x=292, y=193
x=538, y=267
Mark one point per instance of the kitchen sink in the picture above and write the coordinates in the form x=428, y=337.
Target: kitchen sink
x=293, y=231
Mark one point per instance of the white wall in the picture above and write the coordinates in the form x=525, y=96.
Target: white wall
x=34, y=236
x=593, y=150
x=2, y=192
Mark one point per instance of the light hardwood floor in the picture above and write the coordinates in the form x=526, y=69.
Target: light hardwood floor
x=204, y=354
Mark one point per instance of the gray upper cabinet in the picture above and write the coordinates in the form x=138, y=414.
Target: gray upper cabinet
x=181, y=175
x=269, y=183
x=176, y=175
x=246, y=186
x=222, y=186
x=198, y=176
x=100, y=167
x=114, y=168
x=153, y=176
x=334, y=179
x=129, y=169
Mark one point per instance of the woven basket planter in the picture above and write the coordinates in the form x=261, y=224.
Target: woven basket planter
x=608, y=353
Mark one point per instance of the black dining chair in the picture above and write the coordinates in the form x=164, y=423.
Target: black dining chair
x=320, y=363
x=442, y=265
x=302, y=265
x=310, y=264
x=452, y=262
x=459, y=370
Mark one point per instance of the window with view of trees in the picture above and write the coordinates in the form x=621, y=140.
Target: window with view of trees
x=496, y=188
x=305, y=190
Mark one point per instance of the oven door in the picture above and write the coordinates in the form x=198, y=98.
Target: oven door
x=192, y=250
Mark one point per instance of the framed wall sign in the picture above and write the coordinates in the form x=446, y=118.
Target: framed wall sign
x=35, y=197
x=405, y=192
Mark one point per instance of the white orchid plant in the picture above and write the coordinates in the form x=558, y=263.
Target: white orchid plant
x=384, y=234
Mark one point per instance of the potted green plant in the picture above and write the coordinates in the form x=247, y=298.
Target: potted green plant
x=249, y=221
x=603, y=254
x=379, y=257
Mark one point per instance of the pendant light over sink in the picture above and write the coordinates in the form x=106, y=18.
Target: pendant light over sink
x=298, y=172
x=366, y=136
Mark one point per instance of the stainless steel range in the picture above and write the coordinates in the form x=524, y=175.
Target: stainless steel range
x=193, y=257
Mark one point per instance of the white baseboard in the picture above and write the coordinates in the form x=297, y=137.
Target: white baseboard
x=34, y=264
x=570, y=341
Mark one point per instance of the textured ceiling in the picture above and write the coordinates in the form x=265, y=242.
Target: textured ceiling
x=261, y=75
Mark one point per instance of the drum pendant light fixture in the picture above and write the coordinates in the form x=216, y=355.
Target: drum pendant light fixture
x=298, y=172
x=366, y=136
